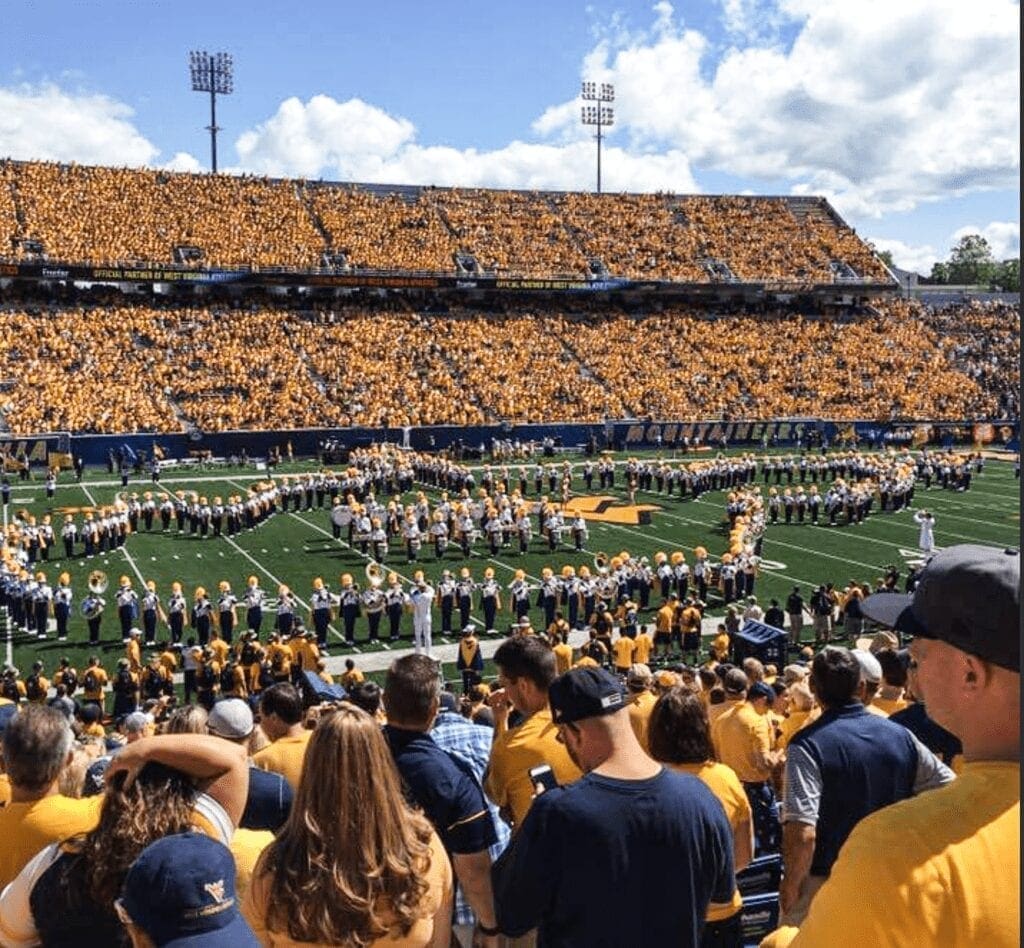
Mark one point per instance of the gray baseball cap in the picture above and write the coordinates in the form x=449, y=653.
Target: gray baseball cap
x=968, y=596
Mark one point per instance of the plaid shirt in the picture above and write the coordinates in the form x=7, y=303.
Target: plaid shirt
x=470, y=743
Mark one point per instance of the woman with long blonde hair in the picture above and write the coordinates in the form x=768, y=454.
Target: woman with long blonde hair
x=354, y=865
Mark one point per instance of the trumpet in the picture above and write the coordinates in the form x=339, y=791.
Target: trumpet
x=601, y=563
x=98, y=582
x=375, y=575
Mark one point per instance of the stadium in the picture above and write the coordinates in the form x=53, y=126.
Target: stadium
x=262, y=431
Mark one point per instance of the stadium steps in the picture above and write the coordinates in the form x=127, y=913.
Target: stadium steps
x=306, y=200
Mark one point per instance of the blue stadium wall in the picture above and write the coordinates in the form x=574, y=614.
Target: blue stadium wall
x=620, y=435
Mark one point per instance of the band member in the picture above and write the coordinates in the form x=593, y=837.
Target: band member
x=42, y=604
x=202, y=615
x=396, y=600
x=69, y=533
x=253, y=599
x=579, y=532
x=148, y=509
x=519, y=595
x=92, y=608
x=166, y=509
x=348, y=604
x=701, y=572
x=176, y=607
x=151, y=612
x=547, y=596
x=439, y=534
x=374, y=606
x=446, y=596
x=378, y=540
x=570, y=595
x=524, y=530
x=226, y=615
x=490, y=601
x=286, y=605
x=62, y=599
x=127, y=606
x=320, y=612
x=727, y=578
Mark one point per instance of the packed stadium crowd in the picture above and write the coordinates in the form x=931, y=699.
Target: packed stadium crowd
x=273, y=814
x=100, y=215
x=148, y=367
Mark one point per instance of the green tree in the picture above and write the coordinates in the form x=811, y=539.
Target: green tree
x=971, y=261
x=940, y=273
x=1008, y=275
x=886, y=257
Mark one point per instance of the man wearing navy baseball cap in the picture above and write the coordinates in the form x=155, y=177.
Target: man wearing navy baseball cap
x=944, y=868
x=628, y=827
x=180, y=893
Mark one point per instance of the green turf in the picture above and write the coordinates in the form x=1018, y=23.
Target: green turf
x=296, y=547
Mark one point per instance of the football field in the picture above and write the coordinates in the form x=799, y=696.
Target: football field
x=296, y=547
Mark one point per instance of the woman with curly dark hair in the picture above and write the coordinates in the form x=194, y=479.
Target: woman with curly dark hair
x=155, y=787
x=354, y=865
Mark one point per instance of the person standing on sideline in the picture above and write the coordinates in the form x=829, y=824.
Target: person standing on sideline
x=944, y=867
x=926, y=521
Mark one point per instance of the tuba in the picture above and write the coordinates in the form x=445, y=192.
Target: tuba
x=98, y=582
x=601, y=564
x=375, y=575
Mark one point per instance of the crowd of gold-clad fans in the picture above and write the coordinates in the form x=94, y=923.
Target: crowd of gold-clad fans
x=125, y=366
x=125, y=216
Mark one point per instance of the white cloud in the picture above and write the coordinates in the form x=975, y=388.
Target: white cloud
x=183, y=161
x=879, y=106
x=907, y=257
x=46, y=123
x=1002, y=236
x=355, y=141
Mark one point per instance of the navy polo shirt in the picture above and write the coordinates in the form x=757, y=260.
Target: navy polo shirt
x=444, y=788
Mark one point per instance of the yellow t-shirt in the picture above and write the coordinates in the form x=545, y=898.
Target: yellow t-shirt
x=285, y=757
x=439, y=879
x=563, y=657
x=246, y=846
x=889, y=705
x=663, y=619
x=939, y=869
x=640, y=709
x=514, y=752
x=25, y=828
x=725, y=785
x=5, y=789
x=789, y=726
x=644, y=647
x=623, y=649
x=743, y=740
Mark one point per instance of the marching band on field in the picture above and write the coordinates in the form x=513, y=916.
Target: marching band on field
x=503, y=515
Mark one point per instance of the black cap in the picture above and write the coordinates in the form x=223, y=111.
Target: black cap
x=968, y=596
x=585, y=693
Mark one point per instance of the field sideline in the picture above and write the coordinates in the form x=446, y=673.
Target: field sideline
x=296, y=547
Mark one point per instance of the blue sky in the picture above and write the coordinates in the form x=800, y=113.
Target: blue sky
x=905, y=115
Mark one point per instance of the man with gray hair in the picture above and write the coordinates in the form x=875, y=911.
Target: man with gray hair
x=36, y=748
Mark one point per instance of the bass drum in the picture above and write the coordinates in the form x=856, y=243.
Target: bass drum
x=340, y=516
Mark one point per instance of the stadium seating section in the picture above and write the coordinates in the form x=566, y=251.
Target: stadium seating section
x=92, y=215
x=123, y=366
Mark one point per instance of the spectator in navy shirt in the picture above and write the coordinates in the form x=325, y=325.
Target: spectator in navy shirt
x=441, y=784
x=629, y=832
x=270, y=796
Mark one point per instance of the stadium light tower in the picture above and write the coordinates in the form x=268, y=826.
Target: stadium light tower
x=213, y=73
x=600, y=114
